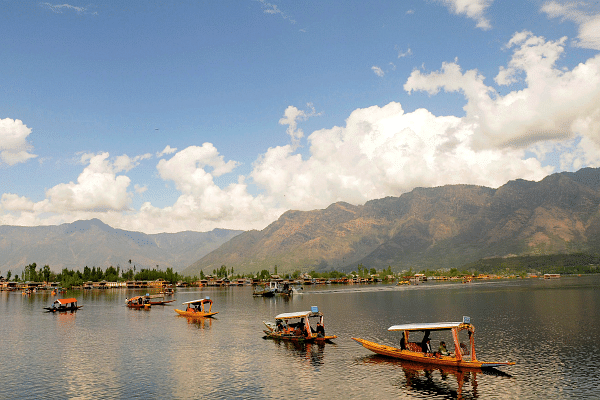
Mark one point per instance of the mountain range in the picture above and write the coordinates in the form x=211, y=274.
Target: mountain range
x=440, y=227
x=92, y=243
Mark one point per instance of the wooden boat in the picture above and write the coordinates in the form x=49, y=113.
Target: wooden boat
x=168, y=291
x=263, y=292
x=296, y=326
x=158, y=300
x=63, y=305
x=197, y=309
x=138, y=302
x=463, y=356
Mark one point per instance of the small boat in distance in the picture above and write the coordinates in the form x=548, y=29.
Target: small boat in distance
x=263, y=291
x=138, y=302
x=462, y=357
x=63, y=305
x=157, y=300
x=296, y=326
x=197, y=308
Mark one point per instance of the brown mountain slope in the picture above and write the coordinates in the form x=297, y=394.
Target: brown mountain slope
x=427, y=228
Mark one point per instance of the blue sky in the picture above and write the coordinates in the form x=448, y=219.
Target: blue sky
x=192, y=115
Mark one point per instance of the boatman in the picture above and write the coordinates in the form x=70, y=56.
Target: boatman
x=320, y=330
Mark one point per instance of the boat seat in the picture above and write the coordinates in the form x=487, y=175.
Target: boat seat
x=412, y=346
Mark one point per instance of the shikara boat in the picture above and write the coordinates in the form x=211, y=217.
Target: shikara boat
x=197, y=309
x=158, y=300
x=63, y=305
x=138, y=302
x=263, y=292
x=462, y=357
x=296, y=326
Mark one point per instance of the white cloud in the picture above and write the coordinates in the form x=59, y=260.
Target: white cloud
x=14, y=147
x=588, y=21
x=273, y=9
x=291, y=117
x=58, y=8
x=98, y=188
x=385, y=152
x=378, y=71
x=474, y=9
x=556, y=104
x=166, y=150
x=402, y=54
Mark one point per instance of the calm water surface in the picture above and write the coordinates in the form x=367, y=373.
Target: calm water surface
x=550, y=328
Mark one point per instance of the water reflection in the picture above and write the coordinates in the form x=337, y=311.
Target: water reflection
x=436, y=381
x=200, y=323
x=311, y=353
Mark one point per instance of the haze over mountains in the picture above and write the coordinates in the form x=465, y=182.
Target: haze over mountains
x=440, y=227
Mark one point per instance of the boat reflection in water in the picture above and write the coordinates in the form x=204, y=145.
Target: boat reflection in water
x=310, y=352
x=437, y=381
x=200, y=323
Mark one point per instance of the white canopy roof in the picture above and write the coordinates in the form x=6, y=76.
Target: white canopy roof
x=427, y=326
x=297, y=314
x=197, y=301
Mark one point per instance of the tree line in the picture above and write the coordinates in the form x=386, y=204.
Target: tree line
x=69, y=278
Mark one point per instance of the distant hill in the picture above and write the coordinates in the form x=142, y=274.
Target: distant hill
x=93, y=243
x=434, y=228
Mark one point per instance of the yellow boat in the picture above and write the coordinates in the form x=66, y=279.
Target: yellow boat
x=462, y=357
x=197, y=308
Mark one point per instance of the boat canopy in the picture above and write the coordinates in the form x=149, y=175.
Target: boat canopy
x=297, y=314
x=66, y=301
x=431, y=326
x=200, y=301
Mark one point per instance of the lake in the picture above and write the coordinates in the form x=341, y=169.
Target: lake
x=550, y=328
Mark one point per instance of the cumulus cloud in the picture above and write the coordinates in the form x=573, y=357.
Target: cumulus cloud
x=98, y=188
x=588, y=21
x=384, y=151
x=474, y=9
x=555, y=104
x=14, y=147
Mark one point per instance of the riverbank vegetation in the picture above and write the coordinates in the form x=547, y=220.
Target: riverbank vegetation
x=564, y=264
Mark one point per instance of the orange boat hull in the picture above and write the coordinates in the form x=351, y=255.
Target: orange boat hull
x=408, y=355
x=195, y=314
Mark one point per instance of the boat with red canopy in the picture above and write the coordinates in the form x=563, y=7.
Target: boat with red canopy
x=463, y=355
x=63, y=305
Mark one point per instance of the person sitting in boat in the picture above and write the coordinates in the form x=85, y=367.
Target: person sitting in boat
x=320, y=330
x=279, y=326
x=443, y=350
x=426, y=346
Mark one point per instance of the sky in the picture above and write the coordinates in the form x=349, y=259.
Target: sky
x=192, y=115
